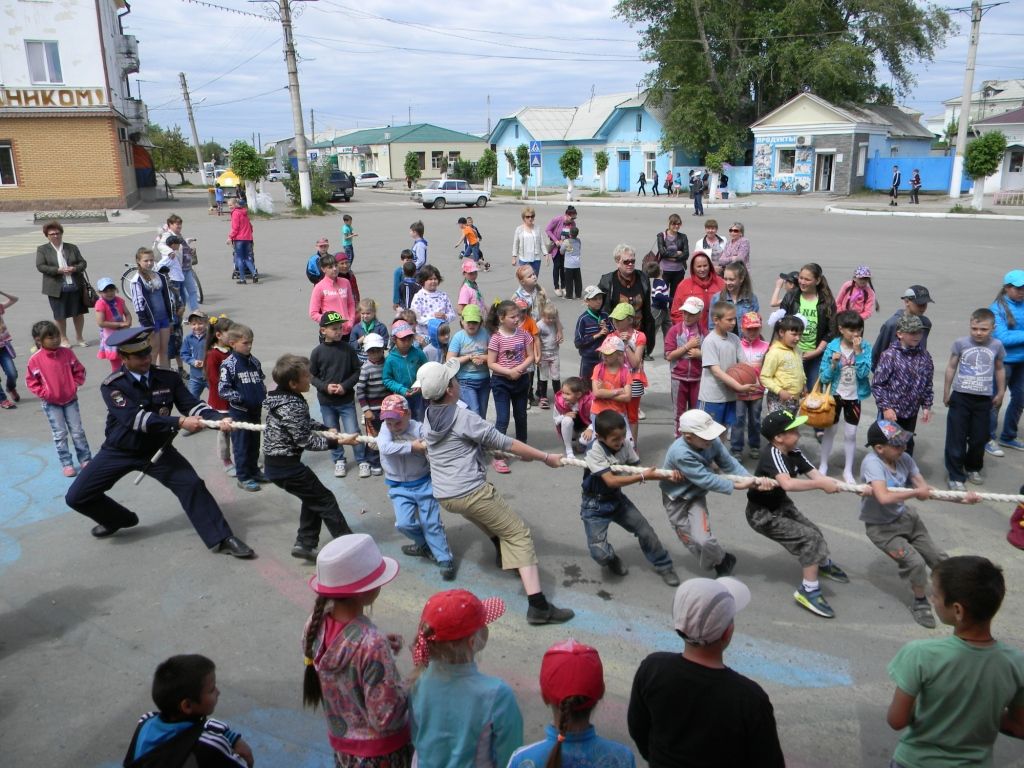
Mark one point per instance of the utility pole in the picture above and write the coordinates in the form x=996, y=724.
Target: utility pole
x=488, y=116
x=410, y=114
x=192, y=124
x=305, y=190
x=965, y=102
x=312, y=126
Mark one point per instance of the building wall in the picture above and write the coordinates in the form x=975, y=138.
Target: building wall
x=65, y=162
x=391, y=157
x=72, y=20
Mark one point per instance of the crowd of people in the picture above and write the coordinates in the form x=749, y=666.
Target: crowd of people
x=410, y=398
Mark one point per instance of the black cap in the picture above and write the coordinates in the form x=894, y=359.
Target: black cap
x=330, y=318
x=174, y=240
x=790, y=276
x=777, y=422
x=918, y=294
x=130, y=340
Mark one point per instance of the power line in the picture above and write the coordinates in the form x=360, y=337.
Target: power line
x=222, y=103
x=228, y=10
x=237, y=66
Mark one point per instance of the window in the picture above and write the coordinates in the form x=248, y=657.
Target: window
x=7, y=177
x=454, y=157
x=421, y=158
x=649, y=164
x=435, y=160
x=517, y=130
x=894, y=151
x=639, y=121
x=785, y=160
x=43, y=61
x=862, y=159
x=1016, y=161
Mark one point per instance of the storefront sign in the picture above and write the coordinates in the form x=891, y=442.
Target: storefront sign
x=52, y=97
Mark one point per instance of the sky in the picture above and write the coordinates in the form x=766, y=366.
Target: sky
x=436, y=62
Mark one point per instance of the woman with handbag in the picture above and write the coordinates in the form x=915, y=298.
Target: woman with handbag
x=63, y=270
x=673, y=251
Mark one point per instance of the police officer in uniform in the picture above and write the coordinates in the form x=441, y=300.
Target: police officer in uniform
x=139, y=399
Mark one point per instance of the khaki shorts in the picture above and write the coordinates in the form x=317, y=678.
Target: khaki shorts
x=489, y=512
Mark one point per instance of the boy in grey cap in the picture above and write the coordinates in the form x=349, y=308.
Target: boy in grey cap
x=728, y=718
x=915, y=302
x=902, y=384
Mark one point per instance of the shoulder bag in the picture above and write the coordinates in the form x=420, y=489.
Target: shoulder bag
x=819, y=407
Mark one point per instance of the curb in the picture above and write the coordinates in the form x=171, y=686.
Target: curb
x=907, y=214
x=600, y=204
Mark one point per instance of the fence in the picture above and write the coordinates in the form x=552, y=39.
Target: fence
x=936, y=173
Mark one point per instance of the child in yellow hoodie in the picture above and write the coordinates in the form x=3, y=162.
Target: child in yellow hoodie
x=782, y=373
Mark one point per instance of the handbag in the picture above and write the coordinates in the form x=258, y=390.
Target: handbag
x=819, y=407
x=89, y=295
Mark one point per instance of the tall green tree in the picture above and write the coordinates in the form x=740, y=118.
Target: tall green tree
x=171, y=150
x=570, y=163
x=719, y=66
x=487, y=166
x=412, y=168
x=249, y=167
x=213, y=152
x=523, y=168
x=982, y=158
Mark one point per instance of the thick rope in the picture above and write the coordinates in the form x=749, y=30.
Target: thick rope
x=626, y=469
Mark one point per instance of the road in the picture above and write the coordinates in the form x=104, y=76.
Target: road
x=83, y=622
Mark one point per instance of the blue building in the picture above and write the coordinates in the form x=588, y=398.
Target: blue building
x=624, y=125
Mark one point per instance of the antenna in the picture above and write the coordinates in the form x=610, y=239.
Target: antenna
x=591, y=102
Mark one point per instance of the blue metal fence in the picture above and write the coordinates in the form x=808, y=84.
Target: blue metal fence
x=936, y=173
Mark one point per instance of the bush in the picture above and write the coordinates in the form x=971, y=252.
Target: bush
x=319, y=181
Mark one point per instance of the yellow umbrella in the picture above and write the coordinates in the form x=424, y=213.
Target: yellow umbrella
x=228, y=179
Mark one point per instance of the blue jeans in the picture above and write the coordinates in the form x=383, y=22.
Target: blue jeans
x=350, y=251
x=191, y=290
x=334, y=416
x=534, y=264
x=506, y=393
x=9, y=368
x=245, y=445
x=1015, y=389
x=418, y=516
x=811, y=369
x=698, y=203
x=748, y=417
x=475, y=394
x=196, y=386
x=598, y=514
x=244, y=258
x=65, y=419
x=471, y=252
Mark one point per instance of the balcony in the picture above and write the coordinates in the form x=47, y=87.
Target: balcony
x=128, y=54
x=137, y=115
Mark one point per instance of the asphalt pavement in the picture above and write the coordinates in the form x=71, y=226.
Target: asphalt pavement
x=83, y=622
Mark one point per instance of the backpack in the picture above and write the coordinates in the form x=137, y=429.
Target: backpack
x=313, y=272
x=406, y=290
x=173, y=753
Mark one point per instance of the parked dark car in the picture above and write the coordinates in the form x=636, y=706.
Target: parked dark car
x=342, y=185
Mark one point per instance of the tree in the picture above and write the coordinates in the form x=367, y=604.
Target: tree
x=487, y=167
x=601, y=165
x=523, y=168
x=213, y=152
x=715, y=161
x=171, y=151
x=249, y=167
x=571, y=165
x=510, y=158
x=412, y=168
x=442, y=166
x=720, y=66
x=982, y=158
x=319, y=183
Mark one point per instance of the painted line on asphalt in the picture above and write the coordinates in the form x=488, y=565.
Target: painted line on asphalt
x=915, y=215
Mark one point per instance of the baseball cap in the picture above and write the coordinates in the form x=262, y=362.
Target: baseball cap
x=570, y=668
x=790, y=277
x=373, y=341
x=1014, y=277
x=886, y=432
x=469, y=266
x=322, y=241
x=862, y=271
x=777, y=422
x=196, y=313
x=471, y=314
x=750, y=320
x=432, y=378
x=591, y=291
x=622, y=311
x=703, y=609
x=918, y=294
x=330, y=318
x=611, y=345
x=701, y=424
x=693, y=305
x=909, y=323
x=401, y=330
x=453, y=615
x=394, y=407
x=103, y=283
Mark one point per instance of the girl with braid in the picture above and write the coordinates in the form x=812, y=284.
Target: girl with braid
x=350, y=664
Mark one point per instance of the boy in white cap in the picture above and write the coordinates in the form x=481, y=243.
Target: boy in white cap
x=692, y=455
x=692, y=709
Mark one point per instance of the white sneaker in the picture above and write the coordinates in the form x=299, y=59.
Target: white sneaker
x=956, y=485
x=640, y=415
x=340, y=470
x=992, y=449
x=376, y=471
x=975, y=478
x=364, y=469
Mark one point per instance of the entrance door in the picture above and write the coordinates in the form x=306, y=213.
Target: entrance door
x=1013, y=173
x=624, y=175
x=823, y=177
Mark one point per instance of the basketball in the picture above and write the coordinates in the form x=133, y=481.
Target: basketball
x=747, y=374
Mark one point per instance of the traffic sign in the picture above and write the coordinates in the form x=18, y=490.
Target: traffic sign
x=534, y=147
x=535, y=160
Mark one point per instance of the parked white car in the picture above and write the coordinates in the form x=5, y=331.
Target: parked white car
x=438, y=194
x=371, y=179
x=275, y=175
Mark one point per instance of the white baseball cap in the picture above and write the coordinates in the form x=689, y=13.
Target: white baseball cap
x=693, y=305
x=373, y=341
x=432, y=378
x=701, y=424
x=703, y=609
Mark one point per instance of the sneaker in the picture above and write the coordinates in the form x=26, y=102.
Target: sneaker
x=549, y=615
x=229, y=470
x=814, y=602
x=249, y=485
x=992, y=449
x=670, y=577
x=241, y=282
x=304, y=553
x=545, y=404
x=975, y=478
x=13, y=394
x=737, y=453
x=447, y=570
x=69, y=471
x=640, y=415
x=725, y=568
x=255, y=278
x=340, y=470
x=616, y=566
x=417, y=550
x=376, y=471
x=834, y=572
x=501, y=466
x=364, y=469
x=1017, y=445
x=956, y=485
x=922, y=613
x=849, y=479
x=7, y=405
x=754, y=453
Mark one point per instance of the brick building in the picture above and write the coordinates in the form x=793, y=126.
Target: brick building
x=69, y=128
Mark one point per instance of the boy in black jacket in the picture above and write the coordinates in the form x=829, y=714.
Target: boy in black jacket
x=241, y=384
x=334, y=367
x=288, y=432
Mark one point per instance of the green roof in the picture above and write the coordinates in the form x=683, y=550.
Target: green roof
x=418, y=133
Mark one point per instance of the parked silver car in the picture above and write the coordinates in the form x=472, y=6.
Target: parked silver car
x=371, y=179
x=438, y=194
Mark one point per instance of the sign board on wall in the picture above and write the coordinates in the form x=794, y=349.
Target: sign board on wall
x=44, y=98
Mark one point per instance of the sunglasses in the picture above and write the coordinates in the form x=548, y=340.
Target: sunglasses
x=531, y=216
x=734, y=230
x=628, y=261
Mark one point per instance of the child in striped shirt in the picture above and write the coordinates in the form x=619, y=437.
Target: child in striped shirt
x=370, y=393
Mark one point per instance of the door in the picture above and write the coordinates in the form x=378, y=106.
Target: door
x=624, y=175
x=823, y=178
x=1013, y=173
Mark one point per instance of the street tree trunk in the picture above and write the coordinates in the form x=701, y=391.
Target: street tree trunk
x=978, y=198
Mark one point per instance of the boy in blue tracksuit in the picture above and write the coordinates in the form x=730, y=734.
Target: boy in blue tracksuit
x=193, y=352
x=403, y=456
x=241, y=384
x=591, y=329
x=692, y=455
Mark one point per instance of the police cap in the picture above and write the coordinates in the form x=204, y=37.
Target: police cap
x=130, y=340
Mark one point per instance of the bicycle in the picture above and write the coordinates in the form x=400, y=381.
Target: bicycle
x=129, y=273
